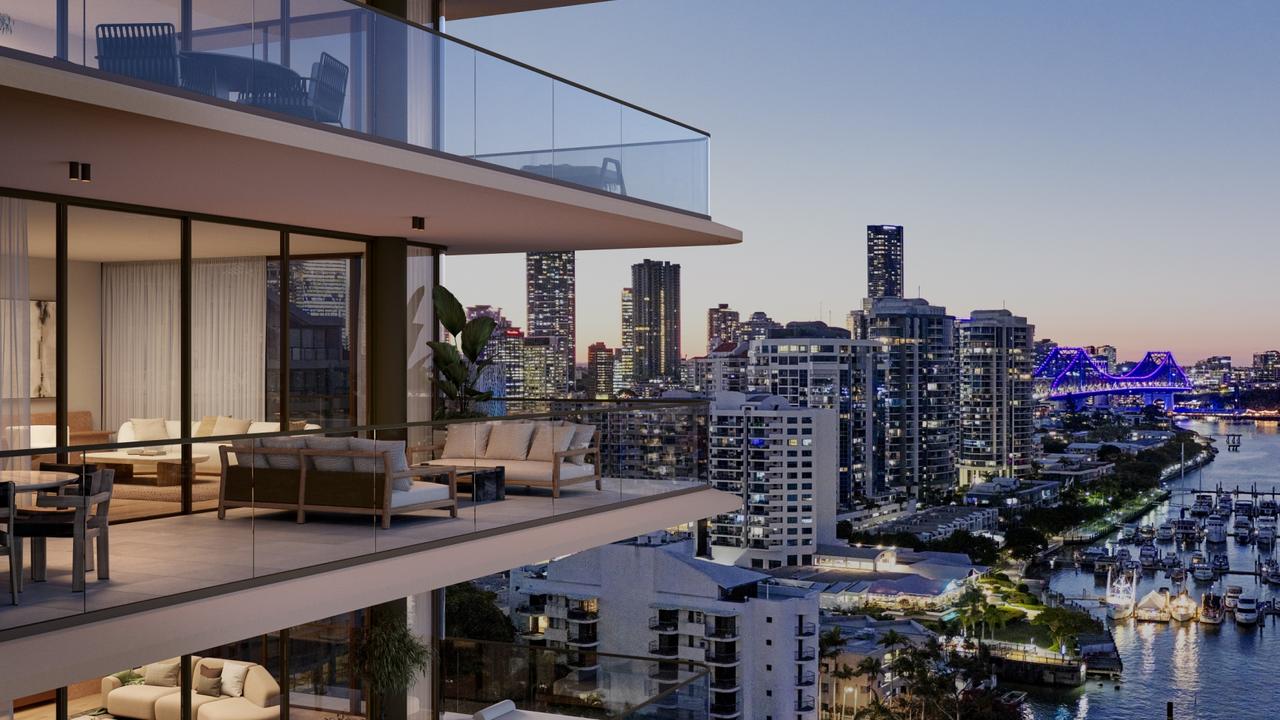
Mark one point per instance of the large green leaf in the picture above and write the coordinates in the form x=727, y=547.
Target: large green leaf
x=444, y=353
x=475, y=335
x=448, y=310
x=447, y=387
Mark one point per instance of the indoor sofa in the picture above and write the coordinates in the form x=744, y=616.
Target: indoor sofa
x=253, y=696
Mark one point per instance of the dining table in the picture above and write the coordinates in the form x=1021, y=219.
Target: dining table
x=220, y=74
x=35, y=481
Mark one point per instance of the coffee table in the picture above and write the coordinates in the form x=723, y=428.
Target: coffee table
x=484, y=483
x=163, y=470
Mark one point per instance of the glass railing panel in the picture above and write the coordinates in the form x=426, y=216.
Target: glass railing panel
x=32, y=27
x=588, y=139
x=663, y=162
x=514, y=117
x=432, y=496
x=455, y=112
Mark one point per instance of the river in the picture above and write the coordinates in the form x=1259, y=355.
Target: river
x=1208, y=672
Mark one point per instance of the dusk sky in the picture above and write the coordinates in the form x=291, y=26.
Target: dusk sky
x=1108, y=169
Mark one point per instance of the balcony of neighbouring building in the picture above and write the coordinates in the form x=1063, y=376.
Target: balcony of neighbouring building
x=306, y=102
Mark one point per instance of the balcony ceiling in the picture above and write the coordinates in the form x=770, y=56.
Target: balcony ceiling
x=463, y=9
x=157, y=149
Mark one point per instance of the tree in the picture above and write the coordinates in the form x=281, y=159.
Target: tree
x=473, y=613
x=871, y=669
x=1024, y=542
x=1064, y=624
x=830, y=645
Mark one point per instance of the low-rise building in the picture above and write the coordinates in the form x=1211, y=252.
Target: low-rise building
x=860, y=638
x=851, y=577
x=1014, y=493
x=1069, y=470
x=652, y=596
x=937, y=523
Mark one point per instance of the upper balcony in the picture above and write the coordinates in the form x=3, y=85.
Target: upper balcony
x=352, y=74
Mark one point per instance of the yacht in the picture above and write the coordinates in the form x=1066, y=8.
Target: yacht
x=1211, y=610
x=1243, y=529
x=1153, y=607
x=1178, y=575
x=1104, y=563
x=1233, y=595
x=1147, y=532
x=1267, y=508
x=1171, y=560
x=1164, y=533
x=1089, y=556
x=1245, y=508
x=1148, y=557
x=1246, y=610
x=1201, y=570
x=1182, y=607
x=1186, y=530
x=1266, y=530
x=1220, y=564
x=1128, y=532
x=1121, y=589
x=1203, y=504
x=1215, y=529
x=1271, y=571
x=1225, y=504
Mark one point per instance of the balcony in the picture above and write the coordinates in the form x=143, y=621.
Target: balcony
x=536, y=680
x=805, y=654
x=804, y=679
x=806, y=629
x=723, y=631
x=729, y=709
x=725, y=684
x=582, y=615
x=339, y=66
x=663, y=649
x=664, y=625
x=723, y=657
x=266, y=538
x=805, y=703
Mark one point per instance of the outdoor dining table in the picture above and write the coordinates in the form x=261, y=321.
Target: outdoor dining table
x=220, y=74
x=32, y=481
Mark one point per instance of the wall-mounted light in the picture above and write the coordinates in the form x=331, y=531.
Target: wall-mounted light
x=79, y=171
x=419, y=222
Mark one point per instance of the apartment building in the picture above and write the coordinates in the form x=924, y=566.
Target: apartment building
x=722, y=326
x=221, y=225
x=551, y=300
x=724, y=369
x=997, y=404
x=781, y=460
x=653, y=596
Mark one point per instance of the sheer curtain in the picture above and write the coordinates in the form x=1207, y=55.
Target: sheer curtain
x=228, y=337
x=15, y=332
x=141, y=354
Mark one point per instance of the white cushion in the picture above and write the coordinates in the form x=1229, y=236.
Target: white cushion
x=136, y=701
x=238, y=709
x=282, y=461
x=467, y=462
x=509, y=441
x=395, y=449
x=418, y=493
x=582, y=437
x=548, y=439
x=230, y=426
x=328, y=463
x=233, y=674
x=536, y=471
x=467, y=440
x=149, y=429
x=495, y=711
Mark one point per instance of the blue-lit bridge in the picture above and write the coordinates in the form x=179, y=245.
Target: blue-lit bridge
x=1073, y=377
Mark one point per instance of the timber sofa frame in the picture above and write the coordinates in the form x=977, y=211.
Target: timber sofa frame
x=305, y=488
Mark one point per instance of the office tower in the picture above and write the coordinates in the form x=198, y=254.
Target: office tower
x=816, y=368
x=756, y=327
x=510, y=356
x=655, y=289
x=494, y=378
x=600, y=369
x=279, y=584
x=917, y=404
x=720, y=371
x=995, y=354
x=550, y=285
x=652, y=596
x=884, y=261
x=625, y=375
x=780, y=459
x=1266, y=366
x=722, y=326
x=544, y=374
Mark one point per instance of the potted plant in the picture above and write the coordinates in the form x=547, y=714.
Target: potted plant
x=387, y=657
x=6, y=24
x=459, y=362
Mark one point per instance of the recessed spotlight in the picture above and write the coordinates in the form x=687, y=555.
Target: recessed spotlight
x=419, y=222
x=79, y=171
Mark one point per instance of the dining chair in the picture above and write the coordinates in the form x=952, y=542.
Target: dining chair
x=319, y=97
x=146, y=51
x=11, y=544
x=79, y=513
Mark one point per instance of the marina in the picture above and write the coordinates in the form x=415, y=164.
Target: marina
x=1190, y=660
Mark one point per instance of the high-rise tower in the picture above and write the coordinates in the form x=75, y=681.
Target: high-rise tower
x=550, y=285
x=997, y=426
x=655, y=289
x=884, y=261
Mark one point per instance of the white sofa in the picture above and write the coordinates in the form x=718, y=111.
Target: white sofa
x=259, y=700
x=535, y=463
x=213, y=465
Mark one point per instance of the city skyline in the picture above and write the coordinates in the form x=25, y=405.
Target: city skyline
x=1029, y=168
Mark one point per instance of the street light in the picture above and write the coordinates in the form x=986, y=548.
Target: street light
x=844, y=700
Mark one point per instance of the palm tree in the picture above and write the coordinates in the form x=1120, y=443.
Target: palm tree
x=830, y=645
x=870, y=668
x=993, y=618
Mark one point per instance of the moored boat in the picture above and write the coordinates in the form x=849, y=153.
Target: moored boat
x=1245, y=508
x=1271, y=571
x=1220, y=564
x=1203, y=504
x=1171, y=560
x=1186, y=530
x=1225, y=504
x=1243, y=529
x=1128, y=532
x=1182, y=607
x=1232, y=597
x=1148, y=557
x=1200, y=568
x=1147, y=532
x=1215, y=529
x=1211, y=610
x=1266, y=530
x=1246, y=611
x=1153, y=607
x=1164, y=533
x=1267, y=508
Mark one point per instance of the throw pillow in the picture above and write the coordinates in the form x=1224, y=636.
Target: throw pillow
x=129, y=677
x=149, y=429
x=400, y=477
x=245, y=455
x=233, y=674
x=282, y=461
x=205, y=428
x=549, y=439
x=209, y=680
x=582, y=437
x=329, y=463
x=509, y=441
x=230, y=426
x=297, y=425
x=467, y=440
x=161, y=674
